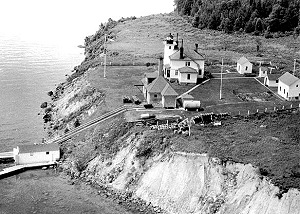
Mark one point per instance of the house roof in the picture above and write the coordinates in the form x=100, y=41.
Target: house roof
x=288, y=79
x=157, y=85
x=243, y=60
x=187, y=69
x=273, y=77
x=151, y=74
x=187, y=55
x=30, y=148
x=169, y=91
x=167, y=66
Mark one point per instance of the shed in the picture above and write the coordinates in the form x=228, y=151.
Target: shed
x=36, y=153
x=263, y=71
x=169, y=97
x=180, y=99
x=244, y=66
x=271, y=80
x=289, y=86
x=155, y=88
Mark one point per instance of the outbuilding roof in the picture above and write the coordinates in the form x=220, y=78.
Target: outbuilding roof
x=187, y=69
x=264, y=68
x=169, y=91
x=273, y=77
x=157, y=85
x=186, y=96
x=288, y=79
x=31, y=148
x=243, y=60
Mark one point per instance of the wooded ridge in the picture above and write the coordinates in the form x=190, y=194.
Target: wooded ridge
x=250, y=16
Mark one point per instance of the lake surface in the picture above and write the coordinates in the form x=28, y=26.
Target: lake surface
x=28, y=70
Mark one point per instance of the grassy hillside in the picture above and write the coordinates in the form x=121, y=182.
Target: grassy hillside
x=135, y=43
x=139, y=41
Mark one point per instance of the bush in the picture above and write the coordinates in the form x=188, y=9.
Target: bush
x=76, y=123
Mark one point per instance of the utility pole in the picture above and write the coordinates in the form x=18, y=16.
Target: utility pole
x=294, y=67
x=221, y=81
x=105, y=56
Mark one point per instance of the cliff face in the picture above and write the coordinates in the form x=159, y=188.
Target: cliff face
x=190, y=183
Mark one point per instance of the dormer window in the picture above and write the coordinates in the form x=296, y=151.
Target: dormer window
x=187, y=63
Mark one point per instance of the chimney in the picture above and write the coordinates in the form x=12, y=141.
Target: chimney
x=176, y=46
x=160, y=67
x=181, y=50
x=196, y=47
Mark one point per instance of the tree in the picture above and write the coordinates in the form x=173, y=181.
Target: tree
x=196, y=20
x=259, y=25
x=258, y=45
x=249, y=28
x=213, y=22
x=226, y=25
x=238, y=24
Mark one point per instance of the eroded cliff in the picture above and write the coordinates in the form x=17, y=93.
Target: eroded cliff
x=187, y=183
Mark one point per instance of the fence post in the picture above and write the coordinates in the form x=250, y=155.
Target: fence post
x=239, y=112
x=266, y=109
x=248, y=112
x=274, y=108
x=110, y=63
x=291, y=105
x=282, y=107
x=257, y=111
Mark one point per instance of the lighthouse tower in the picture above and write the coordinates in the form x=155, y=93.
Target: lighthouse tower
x=171, y=47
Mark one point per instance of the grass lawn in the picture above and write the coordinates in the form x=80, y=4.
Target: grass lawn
x=234, y=92
x=119, y=81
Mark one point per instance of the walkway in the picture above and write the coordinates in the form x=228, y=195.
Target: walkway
x=4, y=155
x=17, y=168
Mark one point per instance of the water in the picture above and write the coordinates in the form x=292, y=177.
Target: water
x=28, y=70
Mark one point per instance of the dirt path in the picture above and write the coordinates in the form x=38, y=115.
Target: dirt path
x=38, y=191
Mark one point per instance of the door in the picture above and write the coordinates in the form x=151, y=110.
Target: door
x=168, y=73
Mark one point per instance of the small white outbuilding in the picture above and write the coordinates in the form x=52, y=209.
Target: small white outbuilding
x=36, y=153
x=243, y=66
x=289, y=86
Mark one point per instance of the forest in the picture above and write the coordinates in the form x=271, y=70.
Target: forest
x=259, y=17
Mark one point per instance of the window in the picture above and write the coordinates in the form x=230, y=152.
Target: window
x=276, y=81
x=200, y=71
x=188, y=76
x=47, y=153
x=176, y=72
x=280, y=88
x=284, y=91
x=246, y=68
x=297, y=86
x=155, y=95
x=170, y=47
x=187, y=63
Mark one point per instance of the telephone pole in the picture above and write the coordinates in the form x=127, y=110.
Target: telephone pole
x=221, y=81
x=105, y=56
x=294, y=72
